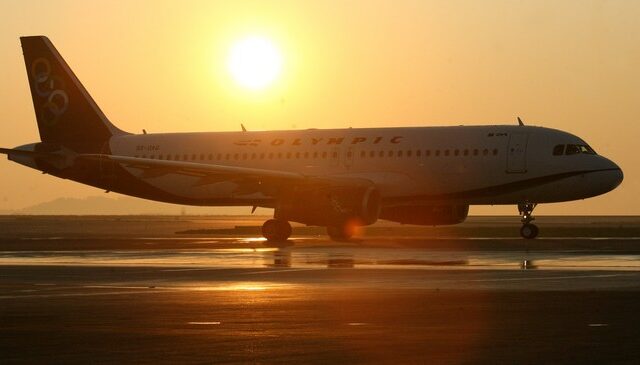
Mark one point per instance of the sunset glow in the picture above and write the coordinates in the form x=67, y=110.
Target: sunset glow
x=255, y=63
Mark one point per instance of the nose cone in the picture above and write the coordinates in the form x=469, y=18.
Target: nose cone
x=614, y=176
x=617, y=176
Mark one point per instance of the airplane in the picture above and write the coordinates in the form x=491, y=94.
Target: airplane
x=335, y=178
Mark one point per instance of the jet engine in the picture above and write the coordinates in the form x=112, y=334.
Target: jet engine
x=426, y=215
x=329, y=206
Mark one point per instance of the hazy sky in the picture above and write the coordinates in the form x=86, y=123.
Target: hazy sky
x=160, y=65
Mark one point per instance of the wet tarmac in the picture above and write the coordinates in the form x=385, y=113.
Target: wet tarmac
x=169, y=299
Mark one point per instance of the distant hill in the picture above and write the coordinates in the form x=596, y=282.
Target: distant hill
x=120, y=205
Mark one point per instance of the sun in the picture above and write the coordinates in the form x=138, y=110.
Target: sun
x=254, y=62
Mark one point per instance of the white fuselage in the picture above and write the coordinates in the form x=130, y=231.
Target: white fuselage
x=466, y=164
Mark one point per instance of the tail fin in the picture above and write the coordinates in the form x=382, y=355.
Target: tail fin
x=66, y=113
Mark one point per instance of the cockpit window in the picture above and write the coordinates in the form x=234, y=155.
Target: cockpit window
x=558, y=150
x=586, y=149
x=574, y=149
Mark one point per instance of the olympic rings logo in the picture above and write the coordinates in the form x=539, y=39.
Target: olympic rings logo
x=50, y=87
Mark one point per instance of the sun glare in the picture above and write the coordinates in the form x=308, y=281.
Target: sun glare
x=254, y=63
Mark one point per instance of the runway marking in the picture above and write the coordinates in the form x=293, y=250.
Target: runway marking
x=204, y=323
x=598, y=324
x=198, y=269
x=266, y=271
x=76, y=294
x=555, y=277
x=118, y=287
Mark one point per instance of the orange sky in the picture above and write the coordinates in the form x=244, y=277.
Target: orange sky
x=160, y=65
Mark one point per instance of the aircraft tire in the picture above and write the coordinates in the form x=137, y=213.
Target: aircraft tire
x=276, y=230
x=529, y=231
x=339, y=234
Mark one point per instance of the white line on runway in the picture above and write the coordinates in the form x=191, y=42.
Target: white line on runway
x=555, y=277
x=148, y=291
x=277, y=271
x=198, y=269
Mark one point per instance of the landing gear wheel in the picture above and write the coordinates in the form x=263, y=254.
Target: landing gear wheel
x=276, y=230
x=341, y=233
x=529, y=231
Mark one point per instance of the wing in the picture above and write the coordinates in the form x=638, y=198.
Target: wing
x=248, y=180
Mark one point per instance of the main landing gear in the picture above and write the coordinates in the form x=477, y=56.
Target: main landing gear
x=276, y=230
x=528, y=229
x=341, y=233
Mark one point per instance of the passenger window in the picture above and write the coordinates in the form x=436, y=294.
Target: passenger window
x=236, y=156
x=193, y=157
x=558, y=150
x=466, y=152
x=485, y=152
x=202, y=156
x=335, y=155
x=400, y=153
x=437, y=153
x=168, y=157
x=409, y=153
x=177, y=158
x=253, y=156
x=475, y=152
x=288, y=154
x=495, y=152
x=446, y=152
x=324, y=154
x=381, y=154
x=456, y=152
x=297, y=154
x=418, y=153
x=363, y=154
x=572, y=149
x=427, y=153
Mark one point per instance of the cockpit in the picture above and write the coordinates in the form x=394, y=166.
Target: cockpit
x=573, y=149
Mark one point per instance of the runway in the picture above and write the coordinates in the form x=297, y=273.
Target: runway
x=226, y=299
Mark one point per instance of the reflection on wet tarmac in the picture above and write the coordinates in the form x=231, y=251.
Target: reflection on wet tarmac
x=314, y=253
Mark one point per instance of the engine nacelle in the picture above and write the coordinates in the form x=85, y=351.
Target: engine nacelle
x=329, y=206
x=426, y=215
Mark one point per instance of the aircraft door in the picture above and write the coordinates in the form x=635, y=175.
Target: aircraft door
x=335, y=156
x=517, y=153
x=348, y=157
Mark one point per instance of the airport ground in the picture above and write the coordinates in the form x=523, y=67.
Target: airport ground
x=208, y=290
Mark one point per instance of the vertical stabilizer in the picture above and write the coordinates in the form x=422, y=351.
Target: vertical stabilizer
x=66, y=113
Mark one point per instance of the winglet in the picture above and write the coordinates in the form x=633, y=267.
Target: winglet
x=520, y=123
x=243, y=128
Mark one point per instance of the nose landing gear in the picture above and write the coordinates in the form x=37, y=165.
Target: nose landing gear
x=528, y=229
